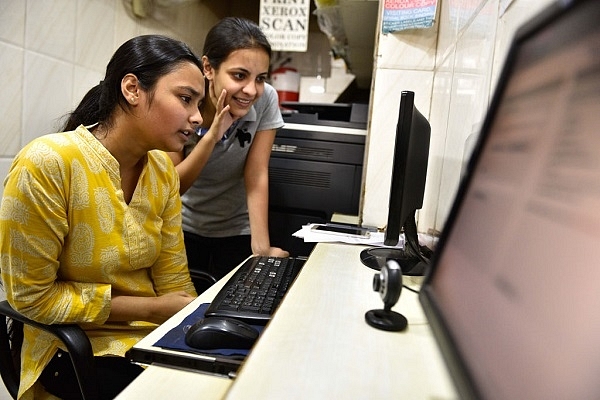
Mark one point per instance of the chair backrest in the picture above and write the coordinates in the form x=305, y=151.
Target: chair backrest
x=11, y=332
x=202, y=280
x=74, y=338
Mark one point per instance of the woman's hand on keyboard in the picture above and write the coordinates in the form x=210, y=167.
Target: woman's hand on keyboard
x=277, y=252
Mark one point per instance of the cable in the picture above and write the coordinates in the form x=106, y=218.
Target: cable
x=411, y=289
x=411, y=246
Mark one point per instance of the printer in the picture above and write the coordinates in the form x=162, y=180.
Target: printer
x=315, y=168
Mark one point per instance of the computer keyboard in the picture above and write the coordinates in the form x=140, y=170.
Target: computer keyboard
x=255, y=290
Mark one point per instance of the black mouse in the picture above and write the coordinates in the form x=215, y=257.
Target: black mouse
x=220, y=333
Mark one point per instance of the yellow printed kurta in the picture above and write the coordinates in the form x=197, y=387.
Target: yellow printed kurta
x=69, y=241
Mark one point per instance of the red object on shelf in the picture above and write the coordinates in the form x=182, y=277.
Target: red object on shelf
x=286, y=81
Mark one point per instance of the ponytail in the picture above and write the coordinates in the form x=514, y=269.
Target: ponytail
x=88, y=110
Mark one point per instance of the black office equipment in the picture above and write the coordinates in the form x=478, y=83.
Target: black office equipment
x=514, y=290
x=409, y=170
x=388, y=283
x=220, y=333
x=255, y=290
x=315, y=169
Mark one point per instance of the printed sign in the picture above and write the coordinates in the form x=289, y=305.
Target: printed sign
x=285, y=23
x=408, y=14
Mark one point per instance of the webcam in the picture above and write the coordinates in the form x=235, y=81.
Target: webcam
x=388, y=283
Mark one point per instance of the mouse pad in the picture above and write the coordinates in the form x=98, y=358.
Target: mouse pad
x=175, y=338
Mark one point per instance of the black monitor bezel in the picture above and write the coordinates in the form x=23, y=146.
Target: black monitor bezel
x=409, y=168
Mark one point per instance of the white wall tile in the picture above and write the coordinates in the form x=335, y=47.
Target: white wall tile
x=462, y=12
x=83, y=80
x=12, y=21
x=192, y=20
x=438, y=119
x=94, y=41
x=50, y=28
x=412, y=49
x=126, y=26
x=475, y=47
x=11, y=100
x=51, y=80
x=447, y=32
x=469, y=100
x=5, y=164
x=518, y=12
x=150, y=27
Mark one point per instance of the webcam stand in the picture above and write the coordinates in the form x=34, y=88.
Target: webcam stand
x=386, y=320
x=389, y=284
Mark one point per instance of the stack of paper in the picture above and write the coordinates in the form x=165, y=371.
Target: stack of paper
x=374, y=239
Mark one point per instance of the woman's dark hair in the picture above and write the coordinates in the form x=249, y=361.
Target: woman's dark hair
x=148, y=57
x=231, y=34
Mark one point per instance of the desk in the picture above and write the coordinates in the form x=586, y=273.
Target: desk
x=163, y=382
x=318, y=345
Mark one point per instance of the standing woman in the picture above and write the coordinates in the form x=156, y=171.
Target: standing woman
x=224, y=169
x=90, y=221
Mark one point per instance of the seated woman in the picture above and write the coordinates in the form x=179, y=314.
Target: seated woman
x=90, y=221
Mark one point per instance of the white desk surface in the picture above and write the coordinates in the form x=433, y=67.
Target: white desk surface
x=318, y=345
x=162, y=382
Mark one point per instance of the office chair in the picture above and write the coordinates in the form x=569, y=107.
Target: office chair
x=202, y=280
x=74, y=338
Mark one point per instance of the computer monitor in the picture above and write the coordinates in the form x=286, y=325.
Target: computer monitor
x=409, y=170
x=514, y=289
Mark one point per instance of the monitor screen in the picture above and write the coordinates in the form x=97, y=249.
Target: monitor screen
x=514, y=291
x=407, y=187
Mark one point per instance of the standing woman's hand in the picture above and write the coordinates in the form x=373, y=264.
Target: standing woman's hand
x=222, y=120
x=277, y=252
x=271, y=251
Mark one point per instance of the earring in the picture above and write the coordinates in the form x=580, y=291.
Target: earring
x=133, y=99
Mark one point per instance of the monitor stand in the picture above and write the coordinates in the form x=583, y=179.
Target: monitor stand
x=376, y=257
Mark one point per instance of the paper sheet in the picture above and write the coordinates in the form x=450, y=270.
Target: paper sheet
x=374, y=239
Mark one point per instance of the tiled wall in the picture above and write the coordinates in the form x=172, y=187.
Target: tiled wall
x=53, y=51
x=452, y=68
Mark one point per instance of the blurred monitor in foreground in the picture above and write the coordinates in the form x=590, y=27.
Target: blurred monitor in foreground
x=514, y=290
